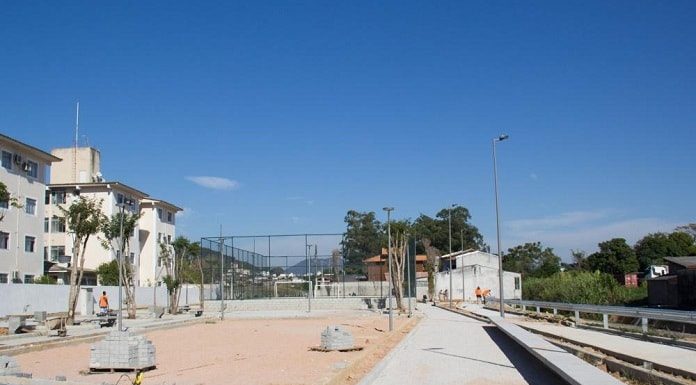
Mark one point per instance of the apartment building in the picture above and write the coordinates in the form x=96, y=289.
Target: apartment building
x=79, y=175
x=110, y=195
x=157, y=226
x=24, y=172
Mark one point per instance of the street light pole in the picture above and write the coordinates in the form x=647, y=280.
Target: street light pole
x=389, y=257
x=122, y=206
x=408, y=274
x=450, y=254
x=497, y=226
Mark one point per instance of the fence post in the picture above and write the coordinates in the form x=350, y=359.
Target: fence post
x=538, y=309
x=605, y=318
x=555, y=311
x=644, y=323
x=577, y=318
x=524, y=308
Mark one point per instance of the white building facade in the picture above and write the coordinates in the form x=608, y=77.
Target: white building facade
x=472, y=269
x=24, y=172
x=157, y=226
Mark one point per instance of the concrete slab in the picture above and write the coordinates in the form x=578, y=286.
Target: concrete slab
x=447, y=348
x=571, y=368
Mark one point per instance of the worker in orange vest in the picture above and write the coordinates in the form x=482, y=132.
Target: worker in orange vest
x=478, y=294
x=104, y=303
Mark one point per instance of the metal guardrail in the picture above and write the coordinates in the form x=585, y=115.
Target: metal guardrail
x=644, y=314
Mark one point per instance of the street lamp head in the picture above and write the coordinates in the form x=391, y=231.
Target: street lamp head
x=502, y=137
x=388, y=209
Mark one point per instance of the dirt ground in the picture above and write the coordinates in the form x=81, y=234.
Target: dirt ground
x=249, y=351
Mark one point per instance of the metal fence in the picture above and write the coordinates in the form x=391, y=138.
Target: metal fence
x=644, y=314
x=276, y=266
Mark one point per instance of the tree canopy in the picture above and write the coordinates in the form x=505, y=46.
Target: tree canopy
x=532, y=259
x=615, y=257
x=653, y=248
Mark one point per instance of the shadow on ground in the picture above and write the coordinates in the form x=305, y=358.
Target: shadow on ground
x=531, y=369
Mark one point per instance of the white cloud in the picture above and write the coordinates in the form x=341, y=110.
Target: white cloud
x=582, y=229
x=214, y=182
x=572, y=218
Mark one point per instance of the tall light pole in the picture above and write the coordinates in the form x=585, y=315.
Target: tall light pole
x=461, y=236
x=497, y=226
x=122, y=206
x=450, y=253
x=389, y=257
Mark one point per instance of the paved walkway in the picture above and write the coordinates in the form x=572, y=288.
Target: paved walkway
x=448, y=348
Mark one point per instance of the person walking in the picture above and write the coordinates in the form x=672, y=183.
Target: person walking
x=478, y=294
x=104, y=303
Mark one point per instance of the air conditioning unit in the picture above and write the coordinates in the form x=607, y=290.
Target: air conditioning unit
x=17, y=159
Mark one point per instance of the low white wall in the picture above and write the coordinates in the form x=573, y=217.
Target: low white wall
x=299, y=304
x=474, y=276
x=19, y=298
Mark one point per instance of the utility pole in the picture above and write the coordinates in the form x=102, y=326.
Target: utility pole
x=389, y=256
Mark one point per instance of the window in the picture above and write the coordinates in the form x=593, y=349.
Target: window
x=28, y=278
x=29, y=244
x=517, y=283
x=4, y=240
x=58, y=224
x=159, y=214
x=132, y=258
x=7, y=161
x=159, y=237
x=4, y=204
x=46, y=222
x=57, y=251
x=3, y=278
x=119, y=198
x=169, y=239
x=33, y=169
x=30, y=206
x=58, y=197
x=169, y=217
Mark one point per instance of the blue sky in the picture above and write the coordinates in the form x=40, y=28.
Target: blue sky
x=304, y=110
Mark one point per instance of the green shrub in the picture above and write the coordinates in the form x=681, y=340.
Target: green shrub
x=582, y=287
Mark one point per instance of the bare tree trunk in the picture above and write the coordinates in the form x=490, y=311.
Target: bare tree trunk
x=74, y=283
x=431, y=267
x=398, y=257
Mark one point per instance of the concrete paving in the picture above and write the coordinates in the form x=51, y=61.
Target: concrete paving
x=448, y=348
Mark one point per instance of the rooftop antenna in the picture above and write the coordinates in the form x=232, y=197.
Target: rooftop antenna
x=77, y=133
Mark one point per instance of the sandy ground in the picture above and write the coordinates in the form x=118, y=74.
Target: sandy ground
x=249, y=351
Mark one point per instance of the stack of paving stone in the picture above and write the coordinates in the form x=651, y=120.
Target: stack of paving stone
x=8, y=366
x=336, y=338
x=122, y=350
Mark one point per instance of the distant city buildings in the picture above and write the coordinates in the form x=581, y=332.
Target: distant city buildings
x=45, y=244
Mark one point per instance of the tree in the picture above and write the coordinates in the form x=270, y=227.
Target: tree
x=108, y=273
x=111, y=228
x=399, y=245
x=84, y=219
x=689, y=229
x=615, y=257
x=653, y=248
x=532, y=259
x=5, y=196
x=579, y=259
x=363, y=239
x=176, y=258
